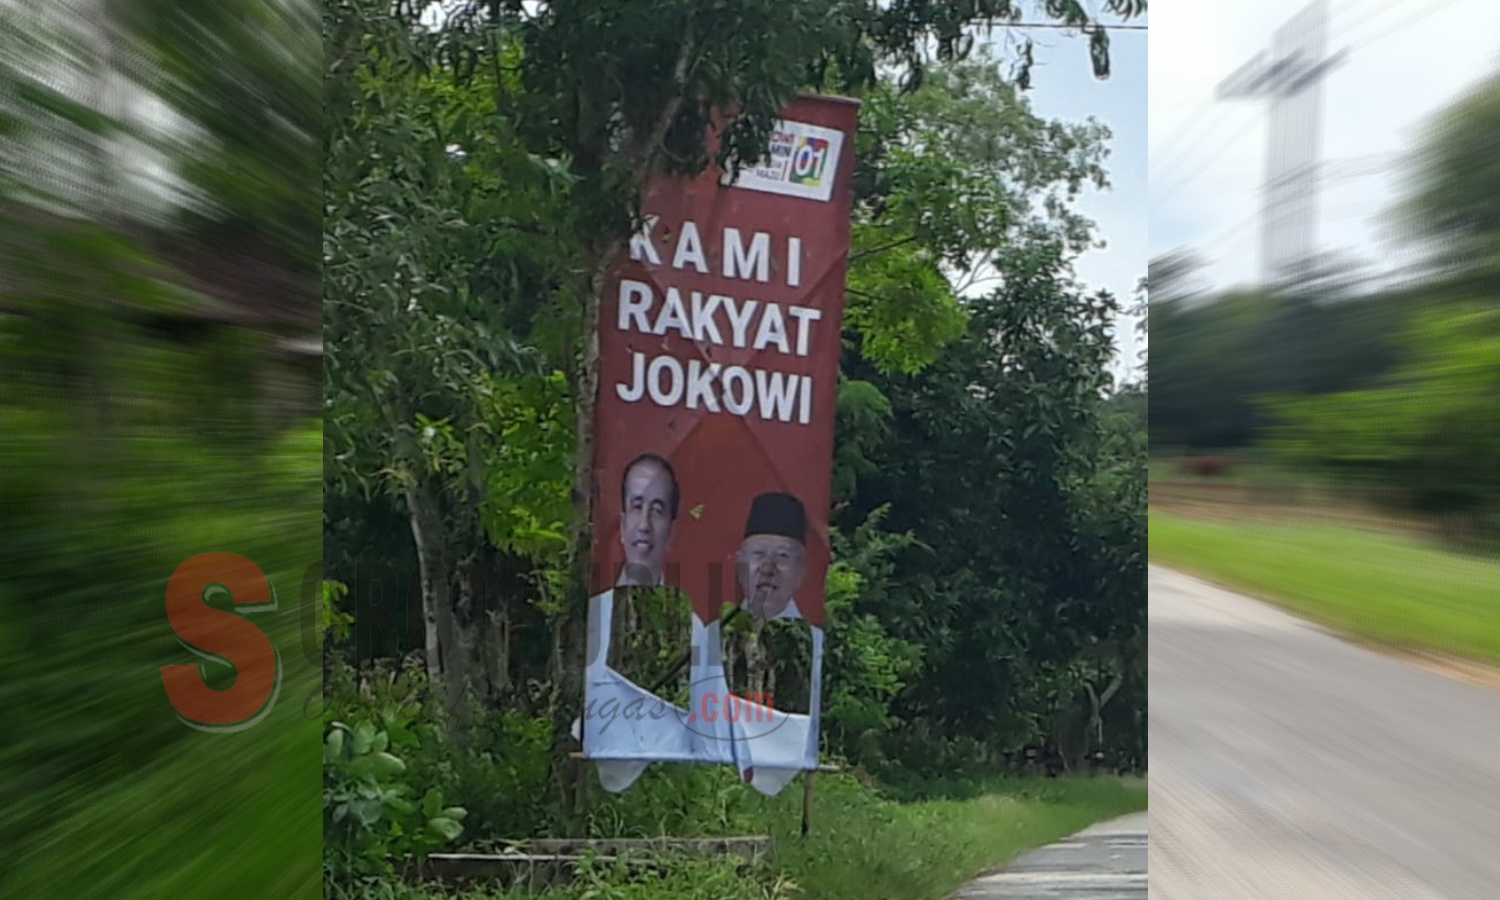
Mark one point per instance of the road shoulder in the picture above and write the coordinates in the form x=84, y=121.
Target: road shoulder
x=1479, y=674
x=1106, y=861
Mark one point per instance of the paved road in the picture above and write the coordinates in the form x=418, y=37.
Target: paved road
x=1287, y=763
x=1105, y=862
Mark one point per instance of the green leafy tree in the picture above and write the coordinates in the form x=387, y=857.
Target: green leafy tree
x=1449, y=206
x=1426, y=431
x=482, y=169
x=565, y=146
x=130, y=440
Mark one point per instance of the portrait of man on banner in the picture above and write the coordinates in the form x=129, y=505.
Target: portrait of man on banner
x=772, y=559
x=649, y=503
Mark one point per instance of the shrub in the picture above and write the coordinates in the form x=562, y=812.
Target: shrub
x=370, y=814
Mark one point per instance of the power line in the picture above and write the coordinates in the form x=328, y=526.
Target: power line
x=1326, y=172
x=1344, y=11
x=1182, y=148
x=1358, y=209
x=1367, y=41
x=1063, y=26
x=1227, y=233
x=1372, y=26
x=1194, y=120
x=1353, y=210
x=1190, y=120
x=1208, y=160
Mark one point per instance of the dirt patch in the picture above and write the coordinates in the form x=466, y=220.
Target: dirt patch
x=1234, y=503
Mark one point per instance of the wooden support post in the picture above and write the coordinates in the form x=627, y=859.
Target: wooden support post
x=807, y=800
x=582, y=801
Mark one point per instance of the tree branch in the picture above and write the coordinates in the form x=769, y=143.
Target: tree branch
x=891, y=246
x=646, y=156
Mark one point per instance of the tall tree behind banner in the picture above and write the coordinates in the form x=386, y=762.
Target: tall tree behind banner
x=719, y=338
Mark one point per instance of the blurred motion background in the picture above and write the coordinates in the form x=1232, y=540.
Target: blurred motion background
x=160, y=362
x=1324, y=430
x=1325, y=310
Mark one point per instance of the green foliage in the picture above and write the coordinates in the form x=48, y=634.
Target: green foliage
x=428, y=253
x=1028, y=506
x=501, y=772
x=251, y=151
x=866, y=666
x=964, y=166
x=899, y=303
x=504, y=775
x=673, y=878
x=331, y=619
x=1391, y=390
x=675, y=800
x=865, y=845
x=132, y=439
x=528, y=498
x=1214, y=358
x=1449, y=202
x=681, y=878
x=921, y=843
x=380, y=807
x=102, y=746
x=863, y=424
x=372, y=815
x=658, y=76
x=1015, y=585
x=125, y=502
x=477, y=178
x=951, y=174
x=1429, y=430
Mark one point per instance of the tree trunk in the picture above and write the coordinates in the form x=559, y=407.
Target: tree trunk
x=586, y=392
x=468, y=644
x=570, y=649
x=497, y=651
x=437, y=608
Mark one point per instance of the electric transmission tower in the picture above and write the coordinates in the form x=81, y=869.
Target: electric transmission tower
x=1290, y=76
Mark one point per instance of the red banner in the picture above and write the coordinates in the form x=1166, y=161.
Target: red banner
x=719, y=343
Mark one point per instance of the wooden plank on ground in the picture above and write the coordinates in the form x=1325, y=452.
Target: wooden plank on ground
x=551, y=861
x=748, y=848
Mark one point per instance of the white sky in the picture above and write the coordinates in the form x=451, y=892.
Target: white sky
x=1064, y=87
x=1407, y=59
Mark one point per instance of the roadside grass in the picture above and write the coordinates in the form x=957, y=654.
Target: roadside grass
x=1382, y=587
x=863, y=844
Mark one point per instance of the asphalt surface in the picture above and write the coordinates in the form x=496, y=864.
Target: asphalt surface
x=1287, y=763
x=1104, y=862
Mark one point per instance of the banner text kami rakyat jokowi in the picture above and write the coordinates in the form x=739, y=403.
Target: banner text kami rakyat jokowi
x=714, y=319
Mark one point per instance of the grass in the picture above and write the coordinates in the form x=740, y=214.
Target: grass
x=107, y=793
x=864, y=845
x=1381, y=587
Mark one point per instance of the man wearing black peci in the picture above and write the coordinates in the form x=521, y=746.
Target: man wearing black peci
x=772, y=558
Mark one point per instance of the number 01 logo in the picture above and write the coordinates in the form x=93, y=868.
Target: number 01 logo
x=809, y=160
